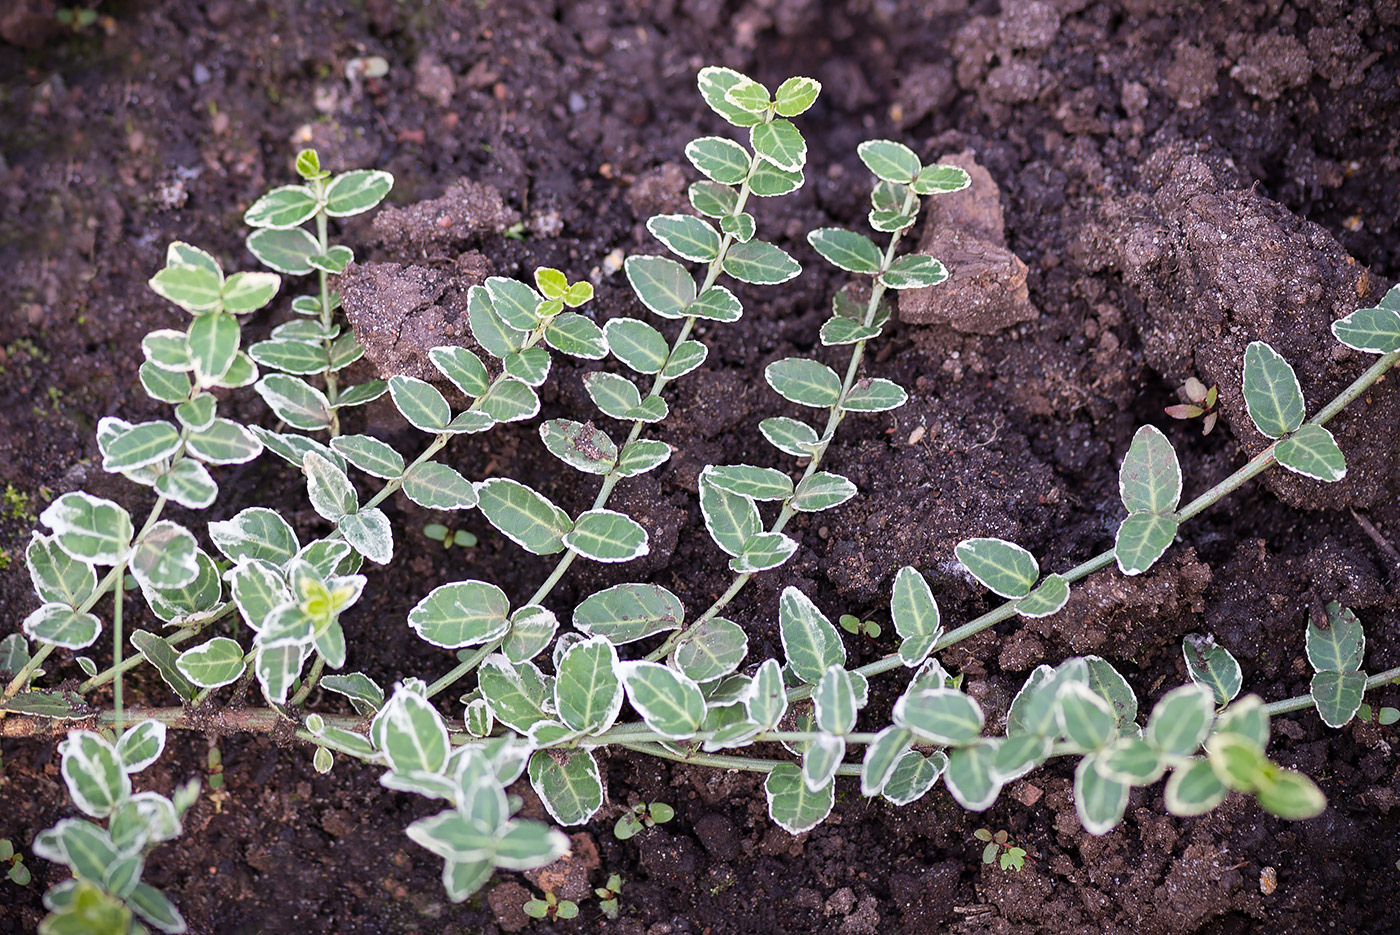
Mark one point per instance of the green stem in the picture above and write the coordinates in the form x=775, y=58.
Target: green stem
x=131, y=662
x=834, y=418
x=117, y=637
x=323, y=241
x=309, y=682
x=1302, y=702
x=721, y=761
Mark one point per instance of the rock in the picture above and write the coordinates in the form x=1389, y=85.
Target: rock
x=507, y=903
x=466, y=210
x=986, y=287
x=433, y=79
x=568, y=876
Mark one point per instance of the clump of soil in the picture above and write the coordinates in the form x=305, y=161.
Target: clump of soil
x=1125, y=139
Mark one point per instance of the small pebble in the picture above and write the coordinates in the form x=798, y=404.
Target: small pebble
x=576, y=103
x=201, y=74
x=1268, y=881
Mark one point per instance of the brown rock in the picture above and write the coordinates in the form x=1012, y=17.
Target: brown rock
x=567, y=877
x=986, y=288
x=507, y=903
x=466, y=210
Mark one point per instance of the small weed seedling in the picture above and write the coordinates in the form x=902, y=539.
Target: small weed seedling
x=1384, y=717
x=551, y=908
x=608, y=895
x=999, y=849
x=642, y=816
x=449, y=537
x=628, y=667
x=18, y=873
x=1200, y=405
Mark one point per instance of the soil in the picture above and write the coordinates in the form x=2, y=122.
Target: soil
x=1176, y=180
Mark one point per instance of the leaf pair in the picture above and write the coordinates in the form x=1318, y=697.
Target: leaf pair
x=1275, y=403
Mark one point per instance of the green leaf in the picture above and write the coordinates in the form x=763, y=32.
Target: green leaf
x=357, y=191
x=213, y=342
x=1312, y=452
x=835, y=701
x=760, y=263
x=411, y=734
x=933, y=180
x=888, y=222
x=940, y=715
x=14, y=655
x=670, y=703
x=810, y=643
x=711, y=650
x=1100, y=801
x=1142, y=539
x=165, y=557
x=438, y=487
x=463, y=368
x=882, y=755
x=329, y=490
x=495, y=336
x=740, y=226
x=295, y=402
x=684, y=358
x=1246, y=717
x=421, y=404
x=360, y=394
x=212, y=664
x=196, y=601
x=607, y=536
x=532, y=630
x=164, y=385
x=1046, y=600
x=875, y=394
x=1212, y=665
x=529, y=365
x=255, y=533
x=1002, y=566
x=715, y=84
x=162, y=656
x=637, y=344
x=821, y=759
x=890, y=161
x=914, y=271
x=1271, y=391
x=198, y=413
x=524, y=516
x=756, y=483
x=765, y=699
x=767, y=180
x=1130, y=761
x=1341, y=645
x=518, y=695
x=287, y=251
x=88, y=528
x=140, y=445
x=1084, y=717
x=369, y=532
x=763, y=551
x=971, y=776
x=791, y=804
x=573, y=334
x=516, y=303
x=1374, y=330
x=299, y=357
x=167, y=350
x=714, y=200
x=915, y=614
x=57, y=576
x=93, y=771
x=1289, y=794
x=628, y=612
x=580, y=445
x=750, y=96
x=370, y=455
x=509, y=400
x=1150, y=479
x=1181, y=720
x=715, y=304
x=662, y=284
x=686, y=236
x=788, y=435
x=1337, y=695
x=1018, y=754
x=570, y=786
x=141, y=745
x=464, y=613
x=284, y=207
x=223, y=442
x=196, y=289
x=796, y=95
x=247, y=292
x=846, y=250
x=914, y=774
x=61, y=625
x=822, y=491
x=780, y=143
x=721, y=160
x=730, y=519
x=804, y=382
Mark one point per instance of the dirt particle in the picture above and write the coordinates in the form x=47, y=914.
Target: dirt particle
x=507, y=902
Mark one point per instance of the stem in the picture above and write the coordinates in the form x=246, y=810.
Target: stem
x=323, y=241
x=1302, y=702
x=834, y=418
x=720, y=761
x=117, y=638
x=310, y=681
x=131, y=662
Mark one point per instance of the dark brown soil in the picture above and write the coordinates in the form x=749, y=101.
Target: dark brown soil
x=1177, y=179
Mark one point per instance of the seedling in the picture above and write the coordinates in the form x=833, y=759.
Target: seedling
x=1201, y=404
x=449, y=537
x=18, y=873
x=999, y=849
x=551, y=908
x=1384, y=717
x=642, y=816
x=853, y=624
x=634, y=668
x=608, y=895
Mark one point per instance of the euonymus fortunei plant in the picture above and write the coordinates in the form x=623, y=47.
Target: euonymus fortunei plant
x=636, y=670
